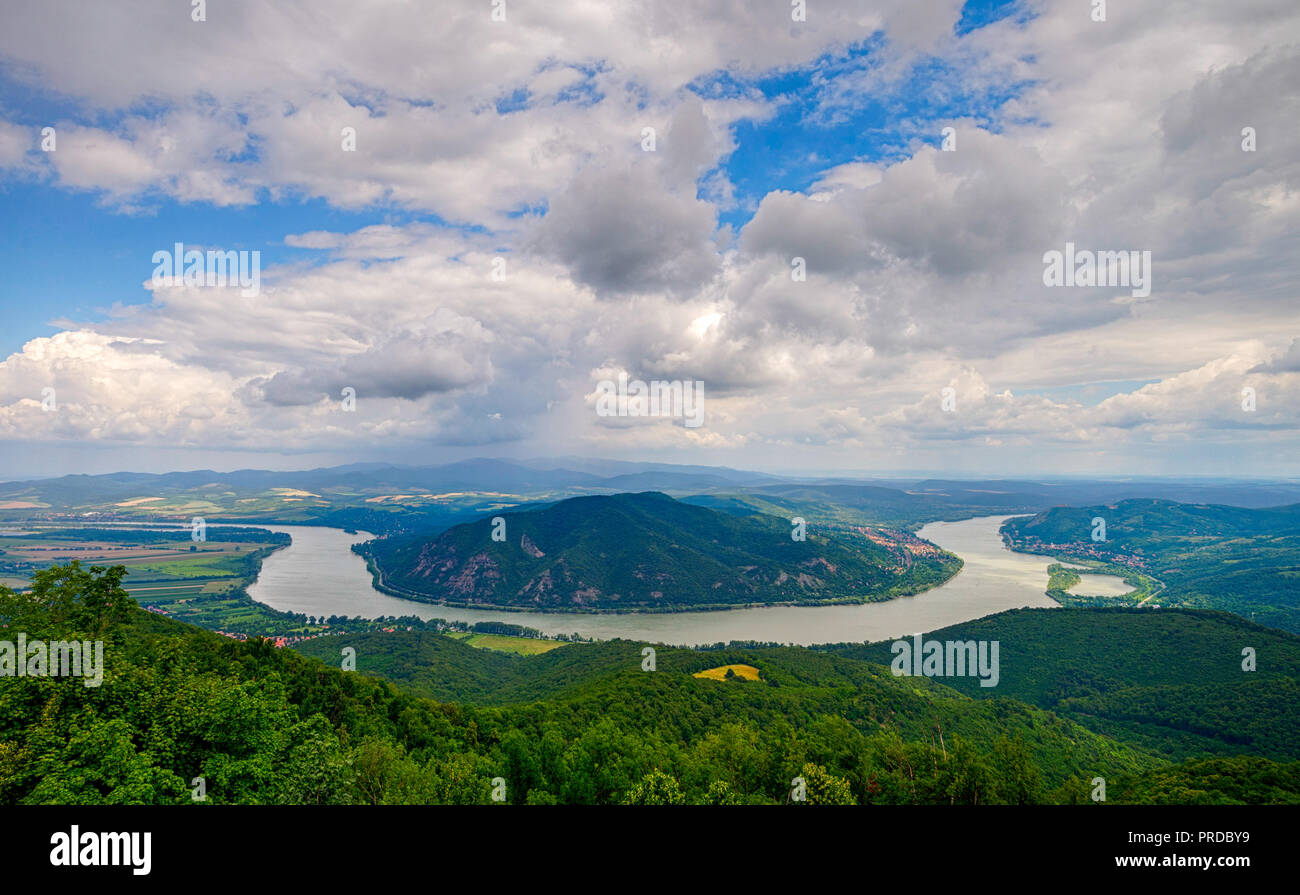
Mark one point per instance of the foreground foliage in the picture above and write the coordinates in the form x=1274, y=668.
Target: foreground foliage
x=583, y=724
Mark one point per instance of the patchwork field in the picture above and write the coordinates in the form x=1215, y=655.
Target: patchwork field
x=167, y=572
x=370, y=502
x=170, y=558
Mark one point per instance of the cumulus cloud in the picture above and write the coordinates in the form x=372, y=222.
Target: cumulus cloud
x=621, y=230
x=464, y=116
x=953, y=213
x=444, y=354
x=1287, y=361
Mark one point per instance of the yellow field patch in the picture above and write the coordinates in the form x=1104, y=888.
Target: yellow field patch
x=454, y=494
x=748, y=672
x=137, y=501
x=294, y=492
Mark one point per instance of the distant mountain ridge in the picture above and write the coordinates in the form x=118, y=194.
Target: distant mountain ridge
x=388, y=499
x=487, y=473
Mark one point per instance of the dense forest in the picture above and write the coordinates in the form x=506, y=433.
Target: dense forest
x=181, y=708
x=1172, y=681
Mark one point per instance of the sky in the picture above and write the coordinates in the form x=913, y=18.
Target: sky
x=834, y=216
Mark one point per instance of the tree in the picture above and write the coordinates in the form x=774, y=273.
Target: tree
x=823, y=788
x=314, y=770
x=68, y=600
x=1016, y=780
x=721, y=793
x=655, y=788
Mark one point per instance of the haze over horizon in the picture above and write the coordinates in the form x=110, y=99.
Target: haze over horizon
x=776, y=473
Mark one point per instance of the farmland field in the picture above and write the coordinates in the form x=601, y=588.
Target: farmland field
x=167, y=571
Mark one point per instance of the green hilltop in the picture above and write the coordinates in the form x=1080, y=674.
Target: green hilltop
x=649, y=551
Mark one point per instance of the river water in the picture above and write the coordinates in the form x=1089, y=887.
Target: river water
x=319, y=575
x=1100, y=586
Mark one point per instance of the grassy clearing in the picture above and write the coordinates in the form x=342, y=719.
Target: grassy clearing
x=524, y=646
x=747, y=672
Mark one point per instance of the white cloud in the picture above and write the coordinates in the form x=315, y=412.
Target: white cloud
x=15, y=142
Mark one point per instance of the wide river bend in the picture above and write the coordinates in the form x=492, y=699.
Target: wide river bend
x=319, y=575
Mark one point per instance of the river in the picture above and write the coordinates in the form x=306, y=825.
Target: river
x=319, y=575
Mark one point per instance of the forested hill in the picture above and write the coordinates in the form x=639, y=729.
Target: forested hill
x=649, y=551
x=1217, y=557
x=1172, y=680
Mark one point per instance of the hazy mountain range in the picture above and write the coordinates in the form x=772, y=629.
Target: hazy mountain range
x=245, y=493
